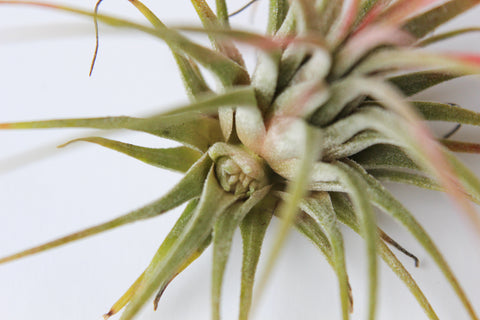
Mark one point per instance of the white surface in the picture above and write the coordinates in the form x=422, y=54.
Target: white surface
x=43, y=77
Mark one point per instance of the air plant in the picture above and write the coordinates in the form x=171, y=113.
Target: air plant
x=308, y=137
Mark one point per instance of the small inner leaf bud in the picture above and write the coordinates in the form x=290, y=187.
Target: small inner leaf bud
x=238, y=171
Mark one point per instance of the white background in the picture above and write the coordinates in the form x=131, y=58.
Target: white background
x=44, y=62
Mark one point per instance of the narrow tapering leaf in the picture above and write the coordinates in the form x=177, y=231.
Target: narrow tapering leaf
x=288, y=209
x=306, y=225
x=435, y=111
x=402, y=59
x=161, y=252
x=196, y=131
x=226, y=70
x=412, y=83
x=329, y=12
x=189, y=187
x=384, y=200
x=222, y=12
x=125, y=298
x=194, y=256
x=358, y=143
x=223, y=231
x=210, y=20
x=356, y=187
x=320, y=208
x=344, y=211
x=191, y=76
x=446, y=35
x=178, y=159
x=276, y=15
x=212, y=203
x=253, y=228
x=421, y=25
x=384, y=156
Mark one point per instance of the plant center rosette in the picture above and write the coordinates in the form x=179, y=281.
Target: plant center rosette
x=308, y=137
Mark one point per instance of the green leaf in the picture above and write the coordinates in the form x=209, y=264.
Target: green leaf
x=467, y=178
x=253, y=228
x=207, y=17
x=189, y=187
x=385, y=163
x=409, y=132
x=223, y=232
x=385, y=201
x=191, y=76
x=296, y=189
x=265, y=77
x=419, y=26
x=125, y=298
x=446, y=35
x=226, y=70
x=178, y=159
x=167, y=243
x=356, y=187
x=405, y=177
x=365, y=8
x=196, y=131
x=415, y=82
x=320, y=208
x=311, y=230
x=289, y=24
x=210, y=20
x=307, y=18
x=391, y=60
x=364, y=43
x=194, y=256
x=384, y=156
x=276, y=15
x=212, y=203
x=222, y=12
x=435, y=111
x=329, y=12
x=359, y=142
x=344, y=212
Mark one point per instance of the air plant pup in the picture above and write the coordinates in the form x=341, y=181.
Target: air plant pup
x=307, y=137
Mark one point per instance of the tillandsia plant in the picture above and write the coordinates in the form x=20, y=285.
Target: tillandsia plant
x=307, y=137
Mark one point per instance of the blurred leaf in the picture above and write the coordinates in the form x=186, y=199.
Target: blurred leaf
x=412, y=83
x=435, y=111
x=421, y=25
x=446, y=35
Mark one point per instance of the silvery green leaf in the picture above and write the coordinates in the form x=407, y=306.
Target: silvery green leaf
x=415, y=82
x=189, y=187
x=345, y=214
x=212, y=203
x=385, y=201
x=421, y=25
x=177, y=159
x=320, y=208
x=223, y=231
x=253, y=228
